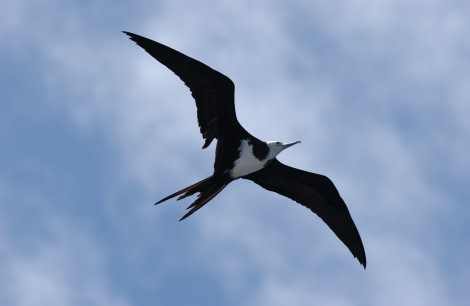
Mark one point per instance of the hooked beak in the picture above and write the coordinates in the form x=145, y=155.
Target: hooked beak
x=290, y=144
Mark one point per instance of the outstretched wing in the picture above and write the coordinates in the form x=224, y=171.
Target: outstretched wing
x=316, y=192
x=213, y=91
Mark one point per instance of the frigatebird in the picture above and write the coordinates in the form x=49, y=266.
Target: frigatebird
x=239, y=154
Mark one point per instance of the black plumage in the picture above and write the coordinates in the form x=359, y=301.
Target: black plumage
x=241, y=155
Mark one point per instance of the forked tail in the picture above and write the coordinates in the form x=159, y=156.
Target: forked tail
x=208, y=188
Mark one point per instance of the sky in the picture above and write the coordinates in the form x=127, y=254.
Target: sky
x=93, y=131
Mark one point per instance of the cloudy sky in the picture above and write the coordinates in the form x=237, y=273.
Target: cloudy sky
x=93, y=131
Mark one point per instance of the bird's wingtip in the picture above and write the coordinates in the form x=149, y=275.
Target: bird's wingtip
x=362, y=260
x=131, y=35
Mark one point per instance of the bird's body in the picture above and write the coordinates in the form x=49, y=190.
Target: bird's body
x=247, y=162
x=241, y=155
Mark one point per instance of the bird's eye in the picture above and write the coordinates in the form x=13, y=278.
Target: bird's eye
x=278, y=143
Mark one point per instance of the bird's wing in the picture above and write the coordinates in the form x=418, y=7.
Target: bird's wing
x=316, y=192
x=213, y=91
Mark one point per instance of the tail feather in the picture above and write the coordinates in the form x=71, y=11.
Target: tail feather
x=202, y=200
x=190, y=190
x=208, y=188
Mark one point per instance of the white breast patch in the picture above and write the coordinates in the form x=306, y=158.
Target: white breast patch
x=247, y=163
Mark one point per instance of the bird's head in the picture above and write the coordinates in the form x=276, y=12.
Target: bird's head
x=276, y=147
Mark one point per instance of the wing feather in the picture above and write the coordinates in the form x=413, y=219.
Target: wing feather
x=316, y=192
x=213, y=91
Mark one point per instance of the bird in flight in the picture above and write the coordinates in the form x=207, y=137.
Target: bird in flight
x=239, y=154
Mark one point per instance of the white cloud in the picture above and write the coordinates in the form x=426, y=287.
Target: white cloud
x=61, y=264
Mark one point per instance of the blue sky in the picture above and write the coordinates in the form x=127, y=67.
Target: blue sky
x=93, y=131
